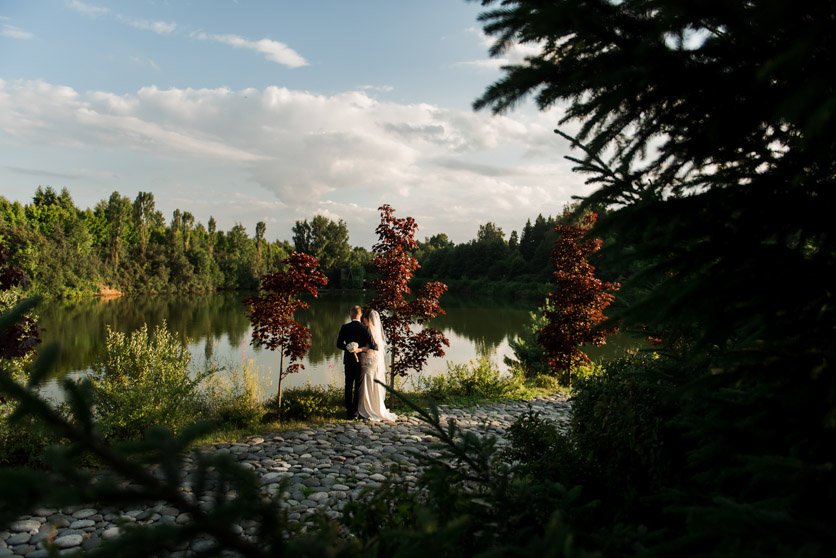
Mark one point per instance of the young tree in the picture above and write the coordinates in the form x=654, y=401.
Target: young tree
x=396, y=266
x=271, y=312
x=576, y=306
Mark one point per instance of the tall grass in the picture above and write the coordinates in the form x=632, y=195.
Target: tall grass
x=478, y=379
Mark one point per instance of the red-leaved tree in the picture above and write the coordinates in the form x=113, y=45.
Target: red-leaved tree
x=271, y=312
x=576, y=307
x=395, y=267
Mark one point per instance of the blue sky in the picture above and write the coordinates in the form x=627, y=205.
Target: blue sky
x=273, y=111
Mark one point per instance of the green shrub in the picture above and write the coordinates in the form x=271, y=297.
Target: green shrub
x=478, y=379
x=145, y=380
x=308, y=402
x=530, y=357
x=621, y=422
x=543, y=381
x=533, y=441
x=22, y=443
x=234, y=399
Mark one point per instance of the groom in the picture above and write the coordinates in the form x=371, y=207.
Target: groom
x=353, y=332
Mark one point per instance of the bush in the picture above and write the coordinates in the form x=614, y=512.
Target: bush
x=308, y=402
x=22, y=443
x=621, y=422
x=530, y=357
x=533, y=440
x=478, y=379
x=234, y=399
x=546, y=382
x=144, y=381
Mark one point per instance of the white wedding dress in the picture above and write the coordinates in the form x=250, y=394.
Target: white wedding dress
x=373, y=365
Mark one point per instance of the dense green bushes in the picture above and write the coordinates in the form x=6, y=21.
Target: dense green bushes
x=530, y=357
x=232, y=398
x=310, y=402
x=145, y=380
x=23, y=443
x=478, y=379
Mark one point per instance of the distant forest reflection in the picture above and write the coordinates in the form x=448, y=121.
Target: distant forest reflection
x=214, y=327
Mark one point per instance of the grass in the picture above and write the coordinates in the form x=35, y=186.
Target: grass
x=461, y=385
x=233, y=402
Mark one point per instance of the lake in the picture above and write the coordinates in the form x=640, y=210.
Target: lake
x=215, y=329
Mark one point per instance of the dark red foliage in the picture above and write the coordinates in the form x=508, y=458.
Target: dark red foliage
x=395, y=267
x=578, y=300
x=271, y=313
x=21, y=338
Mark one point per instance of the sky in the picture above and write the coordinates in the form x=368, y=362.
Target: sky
x=274, y=111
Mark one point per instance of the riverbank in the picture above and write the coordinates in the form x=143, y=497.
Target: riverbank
x=325, y=467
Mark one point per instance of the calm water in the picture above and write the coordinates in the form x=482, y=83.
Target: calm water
x=215, y=329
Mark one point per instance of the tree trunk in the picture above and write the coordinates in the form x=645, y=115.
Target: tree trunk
x=281, y=375
x=392, y=370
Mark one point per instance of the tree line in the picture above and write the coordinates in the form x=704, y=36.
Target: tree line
x=128, y=246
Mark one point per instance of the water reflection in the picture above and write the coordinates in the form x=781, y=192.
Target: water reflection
x=216, y=328
x=79, y=327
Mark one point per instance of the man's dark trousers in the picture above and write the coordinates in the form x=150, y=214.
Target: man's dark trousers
x=353, y=332
x=353, y=386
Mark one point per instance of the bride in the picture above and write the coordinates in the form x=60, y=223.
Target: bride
x=374, y=368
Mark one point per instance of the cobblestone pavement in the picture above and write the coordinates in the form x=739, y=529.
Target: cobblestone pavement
x=326, y=467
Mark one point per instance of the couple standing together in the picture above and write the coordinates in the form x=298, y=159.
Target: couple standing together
x=364, y=360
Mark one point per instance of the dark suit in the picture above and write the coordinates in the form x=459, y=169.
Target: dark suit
x=353, y=332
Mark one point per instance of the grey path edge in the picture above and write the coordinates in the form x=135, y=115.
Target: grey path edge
x=327, y=466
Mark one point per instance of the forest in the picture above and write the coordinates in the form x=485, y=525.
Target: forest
x=128, y=247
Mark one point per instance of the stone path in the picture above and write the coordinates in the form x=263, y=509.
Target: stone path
x=327, y=466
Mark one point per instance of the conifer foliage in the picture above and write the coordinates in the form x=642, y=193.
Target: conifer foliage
x=708, y=128
x=395, y=265
x=271, y=312
x=578, y=301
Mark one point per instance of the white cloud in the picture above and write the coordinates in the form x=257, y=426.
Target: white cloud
x=144, y=62
x=88, y=9
x=12, y=32
x=515, y=54
x=158, y=27
x=341, y=155
x=274, y=51
x=381, y=88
